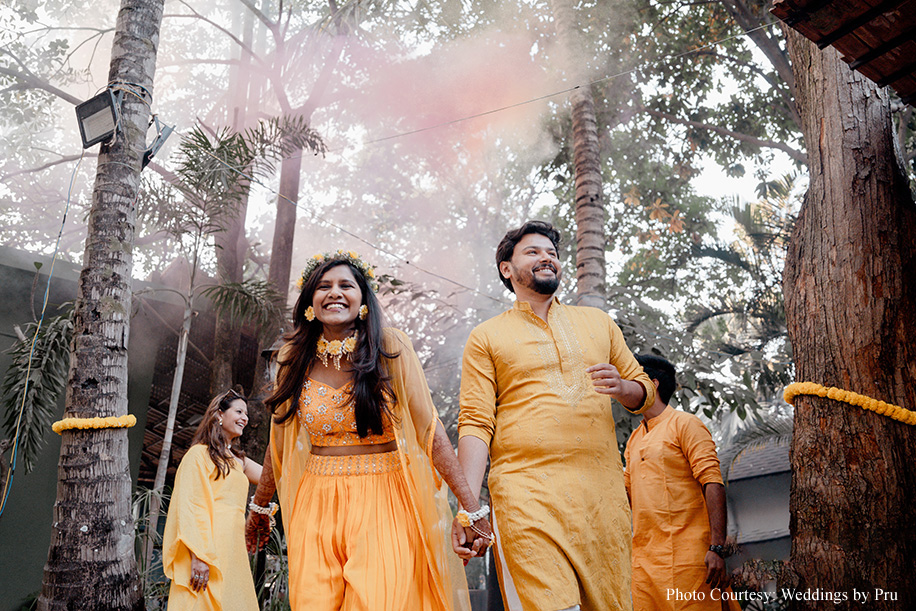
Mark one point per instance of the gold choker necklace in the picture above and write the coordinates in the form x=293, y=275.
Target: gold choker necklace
x=335, y=349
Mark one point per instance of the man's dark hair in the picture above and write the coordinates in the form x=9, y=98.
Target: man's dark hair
x=662, y=370
x=513, y=237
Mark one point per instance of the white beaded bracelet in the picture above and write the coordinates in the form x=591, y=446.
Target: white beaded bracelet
x=268, y=511
x=467, y=519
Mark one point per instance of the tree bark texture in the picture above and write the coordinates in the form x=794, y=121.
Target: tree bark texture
x=91, y=562
x=850, y=287
x=231, y=244
x=591, y=270
x=281, y=252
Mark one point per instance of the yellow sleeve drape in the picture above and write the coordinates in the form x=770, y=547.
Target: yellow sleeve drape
x=189, y=526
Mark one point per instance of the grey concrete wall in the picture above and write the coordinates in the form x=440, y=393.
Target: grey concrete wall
x=25, y=526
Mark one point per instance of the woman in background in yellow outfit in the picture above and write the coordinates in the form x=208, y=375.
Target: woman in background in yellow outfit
x=203, y=548
x=354, y=448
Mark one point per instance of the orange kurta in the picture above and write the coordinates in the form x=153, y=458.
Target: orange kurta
x=669, y=460
x=556, y=480
x=390, y=500
x=207, y=516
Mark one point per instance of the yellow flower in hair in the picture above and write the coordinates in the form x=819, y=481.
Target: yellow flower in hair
x=350, y=256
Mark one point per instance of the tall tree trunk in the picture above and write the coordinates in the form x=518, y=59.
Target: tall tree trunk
x=850, y=287
x=231, y=244
x=231, y=247
x=591, y=270
x=91, y=562
x=281, y=253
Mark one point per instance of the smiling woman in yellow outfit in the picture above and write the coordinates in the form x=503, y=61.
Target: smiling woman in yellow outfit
x=355, y=444
x=203, y=547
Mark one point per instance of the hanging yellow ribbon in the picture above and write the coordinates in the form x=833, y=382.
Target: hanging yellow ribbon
x=110, y=422
x=890, y=410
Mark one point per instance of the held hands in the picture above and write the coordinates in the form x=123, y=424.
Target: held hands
x=716, y=576
x=257, y=531
x=472, y=541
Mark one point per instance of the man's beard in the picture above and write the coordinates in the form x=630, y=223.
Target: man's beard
x=544, y=286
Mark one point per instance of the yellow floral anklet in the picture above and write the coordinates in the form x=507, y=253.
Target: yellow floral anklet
x=110, y=422
x=896, y=412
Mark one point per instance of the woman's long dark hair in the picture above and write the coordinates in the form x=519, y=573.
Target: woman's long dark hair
x=210, y=433
x=371, y=391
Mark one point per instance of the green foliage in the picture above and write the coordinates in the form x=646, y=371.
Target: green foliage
x=274, y=592
x=32, y=387
x=153, y=581
x=254, y=300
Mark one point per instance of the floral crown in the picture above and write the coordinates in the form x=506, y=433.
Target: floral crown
x=349, y=256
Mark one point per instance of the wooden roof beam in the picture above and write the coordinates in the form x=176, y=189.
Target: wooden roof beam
x=854, y=24
x=887, y=47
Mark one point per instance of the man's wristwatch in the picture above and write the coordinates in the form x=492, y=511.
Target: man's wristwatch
x=720, y=550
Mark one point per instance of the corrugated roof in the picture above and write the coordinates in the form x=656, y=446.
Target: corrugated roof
x=875, y=37
x=768, y=459
x=756, y=536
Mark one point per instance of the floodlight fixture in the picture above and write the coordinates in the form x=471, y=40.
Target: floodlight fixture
x=98, y=118
x=163, y=131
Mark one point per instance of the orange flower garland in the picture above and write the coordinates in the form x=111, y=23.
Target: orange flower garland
x=110, y=422
x=896, y=412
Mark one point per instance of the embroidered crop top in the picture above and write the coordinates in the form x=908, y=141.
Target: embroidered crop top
x=329, y=417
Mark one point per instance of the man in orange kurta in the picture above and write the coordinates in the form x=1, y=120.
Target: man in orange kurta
x=678, y=503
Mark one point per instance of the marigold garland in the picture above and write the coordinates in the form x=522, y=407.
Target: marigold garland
x=890, y=410
x=110, y=422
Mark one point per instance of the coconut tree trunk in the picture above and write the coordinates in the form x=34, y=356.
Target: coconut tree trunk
x=591, y=270
x=850, y=288
x=91, y=562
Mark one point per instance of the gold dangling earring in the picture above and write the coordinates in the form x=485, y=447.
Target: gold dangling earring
x=309, y=314
x=363, y=312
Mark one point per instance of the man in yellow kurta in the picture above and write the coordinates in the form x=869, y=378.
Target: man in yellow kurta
x=536, y=388
x=678, y=500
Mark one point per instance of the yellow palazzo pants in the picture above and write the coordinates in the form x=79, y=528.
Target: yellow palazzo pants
x=353, y=543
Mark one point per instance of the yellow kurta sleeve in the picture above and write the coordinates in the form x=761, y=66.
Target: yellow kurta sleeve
x=477, y=415
x=189, y=525
x=622, y=358
x=626, y=469
x=700, y=451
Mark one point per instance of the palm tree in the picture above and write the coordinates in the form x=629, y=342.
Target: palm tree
x=91, y=563
x=201, y=200
x=591, y=270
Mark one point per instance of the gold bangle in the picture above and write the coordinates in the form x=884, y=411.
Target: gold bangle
x=109, y=422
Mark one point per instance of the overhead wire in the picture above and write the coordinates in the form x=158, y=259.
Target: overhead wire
x=563, y=91
x=314, y=216
x=129, y=88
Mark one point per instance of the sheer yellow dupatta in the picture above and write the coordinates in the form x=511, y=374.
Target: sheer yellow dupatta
x=415, y=445
x=415, y=427
x=289, y=451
